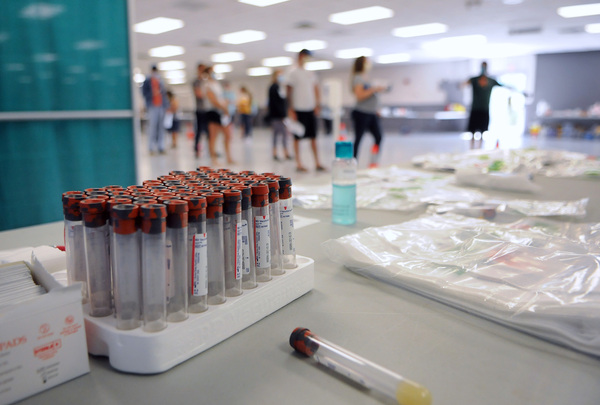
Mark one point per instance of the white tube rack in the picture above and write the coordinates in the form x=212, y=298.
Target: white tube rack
x=136, y=351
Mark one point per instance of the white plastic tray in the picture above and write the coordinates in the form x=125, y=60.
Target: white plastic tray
x=141, y=352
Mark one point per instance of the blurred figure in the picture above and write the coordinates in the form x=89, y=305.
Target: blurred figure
x=172, y=110
x=218, y=117
x=155, y=97
x=201, y=120
x=479, y=116
x=304, y=98
x=244, y=108
x=277, y=113
x=230, y=97
x=364, y=115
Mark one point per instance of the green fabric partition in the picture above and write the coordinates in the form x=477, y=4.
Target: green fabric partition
x=69, y=57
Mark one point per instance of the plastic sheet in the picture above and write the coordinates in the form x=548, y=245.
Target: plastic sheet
x=536, y=275
x=391, y=188
x=550, y=163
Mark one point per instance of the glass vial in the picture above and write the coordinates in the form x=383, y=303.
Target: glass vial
x=344, y=184
x=286, y=211
x=232, y=233
x=197, y=255
x=177, y=260
x=216, y=259
x=260, y=228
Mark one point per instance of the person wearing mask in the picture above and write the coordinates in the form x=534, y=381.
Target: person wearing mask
x=277, y=113
x=244, y=108
x=201, y=120
x=304, y=98
x=173, y=128
x=155, y=96
x=218, y=117
x=364, y=114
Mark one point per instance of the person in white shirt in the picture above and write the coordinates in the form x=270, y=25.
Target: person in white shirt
x=304, y=99
x=217, y=116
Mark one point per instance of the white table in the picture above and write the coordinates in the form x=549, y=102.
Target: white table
x=461, y=358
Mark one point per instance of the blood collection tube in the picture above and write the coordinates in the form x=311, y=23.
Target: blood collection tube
x=248, y=257
x=286, y=210
x=260, y=225
x=177, y=257
x=111, y=240
x=96, y=256
x=154, y=267
x=127, y=266
x=275, y=228
x=360, y=370
x=74, y=244
x=216, y=259
x=197, y=254
x=232, y=233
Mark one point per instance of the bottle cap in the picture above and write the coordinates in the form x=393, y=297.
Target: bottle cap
x=285, y=188
x=197, y=206
x=260, y=195
x=273, y=191
x=177, y=213
x=300, y=342
x=71, y=207
x=246, y=195
x=154, y=218
x=343, y=150
x=232, y=202
x=124, y=218
x=94, y=212
x=214, y=205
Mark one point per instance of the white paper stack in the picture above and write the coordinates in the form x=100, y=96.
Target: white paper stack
x=17, y=285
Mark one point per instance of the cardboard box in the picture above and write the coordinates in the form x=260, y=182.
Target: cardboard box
x=42, y=341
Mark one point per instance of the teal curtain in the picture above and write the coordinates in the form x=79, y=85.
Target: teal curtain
x=61, y=56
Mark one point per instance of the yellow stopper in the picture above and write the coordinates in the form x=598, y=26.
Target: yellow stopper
x=410, y=393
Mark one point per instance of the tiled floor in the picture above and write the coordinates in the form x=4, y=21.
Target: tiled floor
x=256, y=154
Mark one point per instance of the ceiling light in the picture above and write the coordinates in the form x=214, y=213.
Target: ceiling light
x=311, y=45
x=261, y=3
x=259, y=71
x=420, y=30
x=393, y=58
x=511, y=2
x=242, y=37
x=361, y=15
x=175, y=74
x=176, y=81
x=166, y=51
x=592, y=28
x=139, y=78
x=171, y=65
x=455, y=44
x=318, y=65
x=582, y=10
x=222, y=68
x=277, y=61
x=353, y=53
x=158, y=25
x=227, y=57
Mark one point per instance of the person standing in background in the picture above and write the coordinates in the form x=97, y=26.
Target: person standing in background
x=244, y=108
x=155, y=96
x=479, y=116
x=364, y=114
x=174, y=127
x=304, y=98
x=277, y=113
x=201, y=120
x=218, y=117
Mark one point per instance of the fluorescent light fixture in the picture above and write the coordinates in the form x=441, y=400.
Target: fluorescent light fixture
x=176, y=81
x=175, y=74
x=393, y=58
x=511, y=2
x=582, y=10
x=262, y=3
x=420, y=30
x=277, y=61
x=158, y=25
x=227, y=57
x=259, y=71
x=318, y=65
x=458, y=44
x=353, y=53
x=139, y=78
x=592, y=28
x=222, y=68
x=242, y=37
x=171, y=65
x=311, y=45
x=361, y=15
x=166, y=51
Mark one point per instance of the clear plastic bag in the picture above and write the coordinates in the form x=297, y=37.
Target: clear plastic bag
x=535, y=275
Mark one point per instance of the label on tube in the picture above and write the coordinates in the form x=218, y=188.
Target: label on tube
x=288, y=246
x=262, y=241
x=238, y=251
x=200, y=265
x=245, y=248
x=170, y=283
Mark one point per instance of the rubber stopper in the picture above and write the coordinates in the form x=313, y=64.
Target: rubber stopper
x=260, y=195
x=177, y=213
x=94, y=212
x=124, y=218
x=154, y=218
x=300, y=342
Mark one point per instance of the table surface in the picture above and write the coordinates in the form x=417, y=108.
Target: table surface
x=461, y=358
